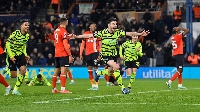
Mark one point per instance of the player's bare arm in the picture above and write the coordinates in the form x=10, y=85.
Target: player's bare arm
x=185, y=31
x=144, y=33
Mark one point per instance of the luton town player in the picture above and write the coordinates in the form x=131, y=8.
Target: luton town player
x=62, y=56
x=109, y=39
x=92, y=49
x=177, y=53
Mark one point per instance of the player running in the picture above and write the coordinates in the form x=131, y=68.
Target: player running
x=177, y=53
x=16, y=51
x=62, y=56
x=133, y=49
x=92, y=49
x=109, y=39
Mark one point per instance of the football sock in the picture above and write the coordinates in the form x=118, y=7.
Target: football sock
x=63, y=81
x=180, y=79
x=19, y=82
x=91, y=77
x=132, y=79
x=70, y=76
x=26, y=77
x=174, y=76
x=54, y=79
x=3, y=81
x=107, y=78
x=119, y=78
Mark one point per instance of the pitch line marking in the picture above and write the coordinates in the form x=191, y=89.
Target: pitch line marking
x=143, y=103
x=90, y=97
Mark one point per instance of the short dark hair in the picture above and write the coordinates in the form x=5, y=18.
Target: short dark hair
x=110, y=20
x=23, y=21
x=63, y=20
x=39, y=76
x=90, y=23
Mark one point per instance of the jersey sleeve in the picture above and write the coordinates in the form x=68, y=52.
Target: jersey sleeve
x=32, y=82
x=10, y=40
x=121, y=48
x=122, y=33
x=46, y=81
x=140, y=52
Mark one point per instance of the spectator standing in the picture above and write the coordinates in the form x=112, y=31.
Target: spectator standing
x=193, y=58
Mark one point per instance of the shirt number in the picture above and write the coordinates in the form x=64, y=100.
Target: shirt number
x=56, y=37
x=174, y=45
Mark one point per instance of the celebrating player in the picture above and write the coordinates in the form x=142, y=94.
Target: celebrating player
x=109, y=38
x=62, y=56
x=92, y=52
x=177, y=53
x=16, y=51
x=133, y=49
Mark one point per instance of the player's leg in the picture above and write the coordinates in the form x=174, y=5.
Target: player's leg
x=134, y=67
x=56, y=73
x=69, y=73
x=90, y=72
x=180, y=70
x=114, y=66
x=58, y=78
x=64, y=64
x=54, y=79
x=26, y=76
x=20, y=78
x=5, y=83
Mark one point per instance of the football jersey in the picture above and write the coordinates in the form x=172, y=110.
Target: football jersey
x=109, y=41
x=91, y=44
x=177, y=44
x=59, y=35
x=1, y=48
x=16, y=44
x=131, y=53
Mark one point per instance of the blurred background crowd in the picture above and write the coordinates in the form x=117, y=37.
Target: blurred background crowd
x=40, y=46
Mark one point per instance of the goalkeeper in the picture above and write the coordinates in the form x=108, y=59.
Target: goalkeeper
x=39, y=80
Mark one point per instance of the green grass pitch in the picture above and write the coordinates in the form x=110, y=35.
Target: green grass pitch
x=147, y=95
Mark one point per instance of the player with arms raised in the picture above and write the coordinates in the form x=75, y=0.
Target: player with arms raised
x=109, y=39
x=62, y=56
x=177, y=53
x=92, y=52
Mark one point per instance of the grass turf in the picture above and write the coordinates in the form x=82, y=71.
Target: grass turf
x=146, y=95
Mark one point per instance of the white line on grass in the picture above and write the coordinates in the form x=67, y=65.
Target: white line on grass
x=143, y=103
x=91, y=97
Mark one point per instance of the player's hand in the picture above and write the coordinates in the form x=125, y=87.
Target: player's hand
x=71, y=36
x=176, y=28
x=139, y=49
x=145, y=33
x=81, y=57
x=27, y=58
x=71, y=59
x=13, y=59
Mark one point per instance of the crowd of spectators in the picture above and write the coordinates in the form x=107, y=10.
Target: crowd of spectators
x=41, y=49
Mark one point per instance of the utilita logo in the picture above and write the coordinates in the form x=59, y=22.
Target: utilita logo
x=158, y=73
